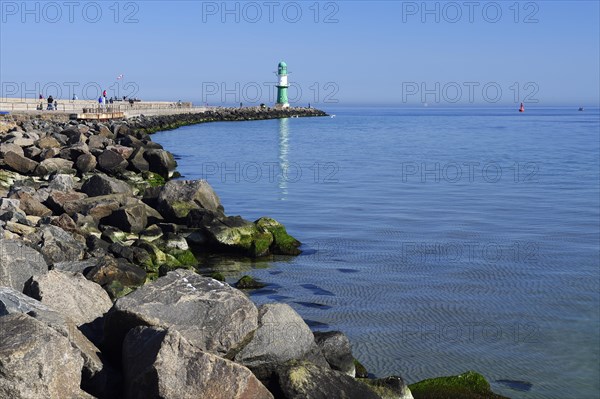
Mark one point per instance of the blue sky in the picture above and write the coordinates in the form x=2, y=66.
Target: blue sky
x=397, y=53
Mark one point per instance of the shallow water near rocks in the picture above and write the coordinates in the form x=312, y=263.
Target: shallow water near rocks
x=438, y=240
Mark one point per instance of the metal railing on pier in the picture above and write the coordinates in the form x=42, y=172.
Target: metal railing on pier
x=78, y=106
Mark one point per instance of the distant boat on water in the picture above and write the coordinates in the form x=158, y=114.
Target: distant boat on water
x=522, y=109
x=580, y=108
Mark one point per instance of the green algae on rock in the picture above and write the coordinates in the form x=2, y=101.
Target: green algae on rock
x=283, y=243
x=361, y=371
x=162, y=259
x=154, y=179
x=235, y=234
x=248, y=283
x=469, y=385
x=218, y=276
x=264, y=237
x=184, y=256
x=117, y=290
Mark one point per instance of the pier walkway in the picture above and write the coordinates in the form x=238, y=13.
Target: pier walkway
x=88, y=109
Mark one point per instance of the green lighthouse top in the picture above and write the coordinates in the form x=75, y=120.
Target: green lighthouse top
x=282, y=68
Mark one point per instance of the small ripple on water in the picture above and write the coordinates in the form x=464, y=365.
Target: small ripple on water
x=263, y=292
x=317, y=325
x=313, y=305
x=344, y=270
x=522, y=386
x=316, y=290
x=279, y=298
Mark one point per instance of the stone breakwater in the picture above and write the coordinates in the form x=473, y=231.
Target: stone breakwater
x=99, y=296
x=166, y=122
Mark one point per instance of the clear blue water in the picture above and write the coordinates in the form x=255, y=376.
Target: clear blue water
x=438, y=240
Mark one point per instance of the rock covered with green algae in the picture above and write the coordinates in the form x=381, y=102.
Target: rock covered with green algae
x=469, y=385
x=264, y=237
x=163, y=259
x=238, y=235
x=218, y=276
x=361, y=371
x=248, y=283
x=283, y=243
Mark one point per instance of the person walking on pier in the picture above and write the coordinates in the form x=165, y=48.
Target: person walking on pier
x=50, y=101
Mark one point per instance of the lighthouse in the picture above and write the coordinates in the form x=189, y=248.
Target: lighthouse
x=282, y=86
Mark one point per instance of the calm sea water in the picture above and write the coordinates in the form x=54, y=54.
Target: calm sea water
x=438, y=240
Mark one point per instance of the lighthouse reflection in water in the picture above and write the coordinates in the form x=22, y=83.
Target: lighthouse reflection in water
x=284, y=148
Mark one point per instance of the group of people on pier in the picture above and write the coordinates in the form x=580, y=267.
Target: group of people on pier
x=52, y=104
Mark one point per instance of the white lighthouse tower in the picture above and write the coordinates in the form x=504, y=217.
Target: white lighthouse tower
x=282, y=86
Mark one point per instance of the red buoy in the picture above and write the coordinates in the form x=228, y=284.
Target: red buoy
x=522, y=109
